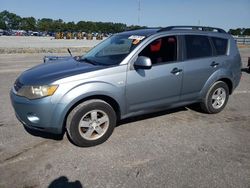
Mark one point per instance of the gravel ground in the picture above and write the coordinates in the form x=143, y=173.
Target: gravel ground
x=29, y=44
x=43, y=42
x=175, y=148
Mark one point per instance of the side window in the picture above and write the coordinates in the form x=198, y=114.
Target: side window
x=161, y=50
x=197, y=46
x=220, y=45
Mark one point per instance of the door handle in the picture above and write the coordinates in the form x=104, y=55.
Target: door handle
x=176, y=71
x=214, y=64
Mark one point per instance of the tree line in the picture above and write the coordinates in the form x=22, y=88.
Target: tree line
x=12, y=21
x=240, y=31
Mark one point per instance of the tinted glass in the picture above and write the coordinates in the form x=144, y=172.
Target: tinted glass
x=220, y=45
x=113, y=50
x=197, y=46
x=161, y=50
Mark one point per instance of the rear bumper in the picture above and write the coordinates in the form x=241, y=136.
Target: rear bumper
x=237, y=79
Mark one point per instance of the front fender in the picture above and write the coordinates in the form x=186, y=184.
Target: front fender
x=80, y=92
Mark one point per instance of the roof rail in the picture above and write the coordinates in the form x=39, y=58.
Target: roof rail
x=200, y=28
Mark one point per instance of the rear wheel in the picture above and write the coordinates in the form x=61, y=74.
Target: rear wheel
x=216, y=98
x=91, y=123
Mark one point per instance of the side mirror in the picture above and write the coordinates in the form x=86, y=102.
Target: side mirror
x=143, y=62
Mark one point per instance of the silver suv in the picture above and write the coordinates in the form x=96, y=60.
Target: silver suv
x=128, y=74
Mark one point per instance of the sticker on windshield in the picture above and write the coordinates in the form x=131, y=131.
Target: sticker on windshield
x=136, y=38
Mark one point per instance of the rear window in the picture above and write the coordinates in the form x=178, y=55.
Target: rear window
x=220, y=45
x=197, y=46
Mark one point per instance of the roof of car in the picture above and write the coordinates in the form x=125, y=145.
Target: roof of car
x=183, y=29
x=141, y=32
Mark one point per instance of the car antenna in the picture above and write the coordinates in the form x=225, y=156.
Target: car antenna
x=69, y=52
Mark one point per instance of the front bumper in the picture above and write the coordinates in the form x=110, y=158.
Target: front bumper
x=36, y=114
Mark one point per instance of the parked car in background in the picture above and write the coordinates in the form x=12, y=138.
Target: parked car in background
x=128, y=74
x=7, y=32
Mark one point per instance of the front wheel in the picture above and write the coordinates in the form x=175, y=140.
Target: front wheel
x=91, y=123
x=216, y=98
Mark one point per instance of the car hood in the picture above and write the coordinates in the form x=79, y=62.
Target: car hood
x=47, y=73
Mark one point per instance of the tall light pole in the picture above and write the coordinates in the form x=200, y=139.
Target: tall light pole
x=139, y=11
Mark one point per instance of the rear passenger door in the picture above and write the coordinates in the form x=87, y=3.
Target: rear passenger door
x=199, y=64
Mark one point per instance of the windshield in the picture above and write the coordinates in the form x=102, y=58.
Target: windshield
x=113, y=50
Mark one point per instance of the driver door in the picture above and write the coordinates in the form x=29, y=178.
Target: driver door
x=159, y=86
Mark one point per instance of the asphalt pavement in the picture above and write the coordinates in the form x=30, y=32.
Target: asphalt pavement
x=174, y=148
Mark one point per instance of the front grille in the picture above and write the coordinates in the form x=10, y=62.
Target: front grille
x=18, y=85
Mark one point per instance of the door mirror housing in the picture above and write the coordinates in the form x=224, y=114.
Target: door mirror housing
x=143, y=62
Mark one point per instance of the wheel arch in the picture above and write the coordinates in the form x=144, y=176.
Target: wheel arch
x=111, y=101
x=220, y=75
x=229, y=84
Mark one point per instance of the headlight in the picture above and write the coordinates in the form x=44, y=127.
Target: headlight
x=36, y=92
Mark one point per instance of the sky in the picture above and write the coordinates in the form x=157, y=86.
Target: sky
x=225, y=14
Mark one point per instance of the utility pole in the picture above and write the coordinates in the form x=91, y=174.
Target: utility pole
x=139, y=11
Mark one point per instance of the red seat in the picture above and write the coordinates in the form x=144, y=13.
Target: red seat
x=156, y=45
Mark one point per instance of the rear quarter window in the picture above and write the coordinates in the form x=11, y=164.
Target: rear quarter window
x=197, y=46
x=220, y=45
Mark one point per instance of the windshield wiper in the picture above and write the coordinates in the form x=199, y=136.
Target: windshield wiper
x=90, y=61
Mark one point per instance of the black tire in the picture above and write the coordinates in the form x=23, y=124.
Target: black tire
x=77, y=134
x=207, y=104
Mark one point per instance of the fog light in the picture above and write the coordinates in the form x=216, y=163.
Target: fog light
x=33, y=118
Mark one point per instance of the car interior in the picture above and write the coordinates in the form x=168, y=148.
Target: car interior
x=161, y=50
